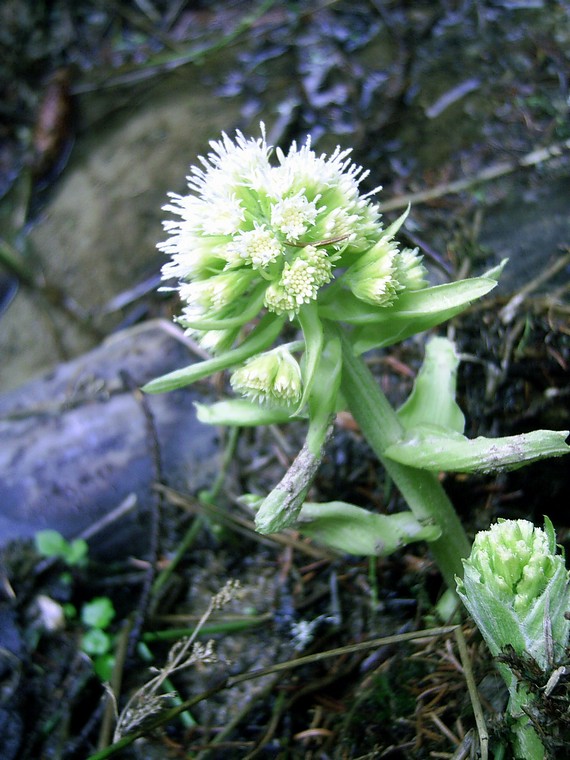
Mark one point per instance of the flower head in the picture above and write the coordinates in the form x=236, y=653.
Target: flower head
x=294, y=215
x=516, y=588
x=513, y=557
x=257, y=247
x=285, y=225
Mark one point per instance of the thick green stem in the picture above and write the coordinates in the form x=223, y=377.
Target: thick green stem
x=527, y=743
x=420, y=488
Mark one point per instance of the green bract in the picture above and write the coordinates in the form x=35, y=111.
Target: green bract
x=353, y=530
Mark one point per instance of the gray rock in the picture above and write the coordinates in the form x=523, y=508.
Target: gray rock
x=79, y=440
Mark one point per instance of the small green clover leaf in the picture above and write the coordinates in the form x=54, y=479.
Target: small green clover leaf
x=95, y=642
x=50, y=543
x=98, y=613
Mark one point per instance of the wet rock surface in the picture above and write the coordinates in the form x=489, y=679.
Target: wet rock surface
x=97, y=235
x=82, y=439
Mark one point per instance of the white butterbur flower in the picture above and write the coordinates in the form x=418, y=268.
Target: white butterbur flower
x=223, y=217
x=287, y=224
x=293, y=216
x=211, y=295
x=228, y=164
x=300, y=281
x=411, y=273
x=340, y=224
x=258, y=247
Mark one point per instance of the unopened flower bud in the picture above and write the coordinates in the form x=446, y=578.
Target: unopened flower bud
x=514, y=583
x=516, y=589
x=273, y=377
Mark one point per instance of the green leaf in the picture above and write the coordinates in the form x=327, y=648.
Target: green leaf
x=98, y=613
x=77, y=552
x=281, y=506
x=104, y=665
x=496, y=620
x=324, y=394
x=242, y=413
x=426, y=304
x=312, y=328
x=70, y=611
x=431, y=448
x=419, y=310
x=432, y=399
x=245, y=315
x=50, y=543
x=354, y=530
x=95, y=642
x=258, y=340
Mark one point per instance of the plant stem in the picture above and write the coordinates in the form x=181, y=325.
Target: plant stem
x=526, y=741
x=420, y=488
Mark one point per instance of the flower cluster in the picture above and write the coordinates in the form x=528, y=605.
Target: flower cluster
x=514, y=557
x=516, y=588
x=256, y=234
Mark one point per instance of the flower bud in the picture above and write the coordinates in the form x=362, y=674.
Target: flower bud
x=382, y=272
x=516, y=588
x=273, y=377
x=374, y=279
x=410, y=272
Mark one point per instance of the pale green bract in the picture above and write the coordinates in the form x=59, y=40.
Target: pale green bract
x=354, y=530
